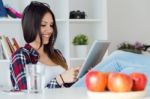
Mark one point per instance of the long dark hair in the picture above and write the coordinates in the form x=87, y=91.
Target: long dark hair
x=31, y=23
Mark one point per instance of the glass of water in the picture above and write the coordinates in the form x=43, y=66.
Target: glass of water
x=35, y=78
x=1, y=51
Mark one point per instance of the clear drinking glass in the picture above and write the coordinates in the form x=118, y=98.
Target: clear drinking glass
x=1, y=51
x=35, y=78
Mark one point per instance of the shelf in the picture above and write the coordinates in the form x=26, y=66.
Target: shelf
x=10, y=20
x=77, y=59
x=84, y=20
x=57, y=20
x=61, y=20
x=19, y=20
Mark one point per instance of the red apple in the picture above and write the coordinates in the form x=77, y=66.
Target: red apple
x=119, y=82
x=96, y=81
x=139, y=81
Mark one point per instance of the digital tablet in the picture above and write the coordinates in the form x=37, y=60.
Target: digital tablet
x=95, y=55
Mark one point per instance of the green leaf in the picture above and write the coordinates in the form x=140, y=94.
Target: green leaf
x=80, y=39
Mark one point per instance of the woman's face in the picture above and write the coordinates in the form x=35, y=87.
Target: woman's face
x=46, y=28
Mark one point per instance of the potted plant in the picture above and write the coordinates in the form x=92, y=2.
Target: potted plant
x=80, y=42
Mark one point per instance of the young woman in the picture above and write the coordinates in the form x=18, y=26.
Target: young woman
x=40, y=33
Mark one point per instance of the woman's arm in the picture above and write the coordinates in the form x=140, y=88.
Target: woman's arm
x=66, y=79
x=17, y=72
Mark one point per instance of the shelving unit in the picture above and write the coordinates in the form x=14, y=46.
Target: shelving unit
x=95, y=24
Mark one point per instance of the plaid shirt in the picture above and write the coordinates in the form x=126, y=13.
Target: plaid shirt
x=26, y=55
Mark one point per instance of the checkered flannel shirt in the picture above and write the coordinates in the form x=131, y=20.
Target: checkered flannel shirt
x=26, y=55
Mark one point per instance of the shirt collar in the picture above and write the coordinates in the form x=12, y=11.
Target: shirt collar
x=33, y=53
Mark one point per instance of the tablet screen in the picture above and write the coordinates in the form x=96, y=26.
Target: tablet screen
x=95, y=55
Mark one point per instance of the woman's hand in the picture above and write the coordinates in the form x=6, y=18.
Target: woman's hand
x=70, y=75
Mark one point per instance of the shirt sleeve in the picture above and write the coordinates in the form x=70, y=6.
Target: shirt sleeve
x=53, y=84
x=17, y=72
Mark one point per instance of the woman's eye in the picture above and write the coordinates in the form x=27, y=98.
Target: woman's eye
x=43, y=25
x=51, y=25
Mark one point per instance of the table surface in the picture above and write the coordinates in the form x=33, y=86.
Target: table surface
x=62, y=93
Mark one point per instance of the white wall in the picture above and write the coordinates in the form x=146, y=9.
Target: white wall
x=128, y=20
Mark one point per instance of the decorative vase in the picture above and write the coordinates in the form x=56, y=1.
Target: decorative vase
x=81, y=51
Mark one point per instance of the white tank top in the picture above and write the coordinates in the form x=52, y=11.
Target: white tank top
x=50, y=72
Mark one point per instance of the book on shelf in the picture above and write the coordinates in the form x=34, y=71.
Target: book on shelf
x=5, y=47
x=15, y=43
x=2, y=56
x=8, y=46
